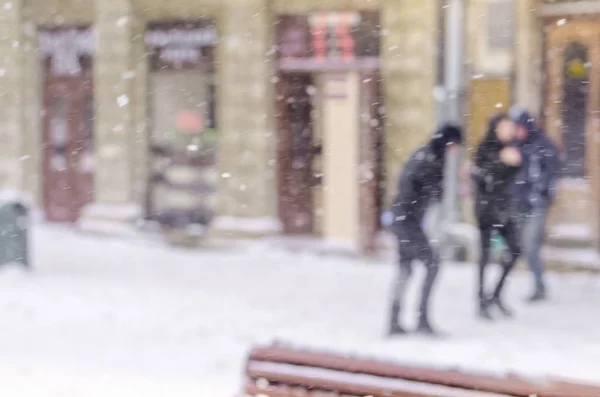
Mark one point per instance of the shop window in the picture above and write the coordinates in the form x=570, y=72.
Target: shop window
x=573, y=111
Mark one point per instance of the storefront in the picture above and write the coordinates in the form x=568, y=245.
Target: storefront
x=329, y=126
x=136, y=76
x=183, y=177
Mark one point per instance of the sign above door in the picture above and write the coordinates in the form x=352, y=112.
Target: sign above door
x=67, y=49
x=329, y=36
x=181, y=45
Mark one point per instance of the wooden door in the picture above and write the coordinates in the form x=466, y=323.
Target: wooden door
x=572, y=117
x=369, y=162
x=295, y=153
x=68, y=147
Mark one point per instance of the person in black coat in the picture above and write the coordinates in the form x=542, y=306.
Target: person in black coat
x=420, y=184
x=497, y=162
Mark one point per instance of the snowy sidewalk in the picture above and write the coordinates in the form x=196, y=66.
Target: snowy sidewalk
x=108, y=317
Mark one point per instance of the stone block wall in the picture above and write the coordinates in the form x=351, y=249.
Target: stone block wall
x=12, y=95
x=247, y=145
x=245, y=100
x=409, y=69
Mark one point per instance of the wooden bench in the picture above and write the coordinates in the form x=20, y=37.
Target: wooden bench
x=282, y=371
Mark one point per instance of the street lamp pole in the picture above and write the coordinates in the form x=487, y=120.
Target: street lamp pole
x=453, y=75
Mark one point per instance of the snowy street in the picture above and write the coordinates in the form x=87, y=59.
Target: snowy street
x=103, y=316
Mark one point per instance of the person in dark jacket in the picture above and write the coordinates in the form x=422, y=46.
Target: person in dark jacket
x=420, y=184
x=497, y=162
x=534, y=191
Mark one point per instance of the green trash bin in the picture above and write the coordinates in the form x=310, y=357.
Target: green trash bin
x=14, y=230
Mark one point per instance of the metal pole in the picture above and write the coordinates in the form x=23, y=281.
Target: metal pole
x=453, y=69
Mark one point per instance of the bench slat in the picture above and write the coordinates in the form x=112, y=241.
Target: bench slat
x=359, y=384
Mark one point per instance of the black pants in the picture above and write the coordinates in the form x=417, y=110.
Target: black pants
x=510, y=232
x=413, y=245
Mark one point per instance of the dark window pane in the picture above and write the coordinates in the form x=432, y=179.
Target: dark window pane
x=574, y=105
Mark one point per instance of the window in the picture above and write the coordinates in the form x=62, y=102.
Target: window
x=573, y=111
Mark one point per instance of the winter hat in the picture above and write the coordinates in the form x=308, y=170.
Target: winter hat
x=521, y=116
x=445, y=136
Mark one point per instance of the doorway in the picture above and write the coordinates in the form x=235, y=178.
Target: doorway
x=572, y=119
x=297, y=152
x=182, y=188
x=68, y=142
x=301, y=177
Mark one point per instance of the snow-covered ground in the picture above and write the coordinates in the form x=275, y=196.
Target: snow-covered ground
x=102, y=316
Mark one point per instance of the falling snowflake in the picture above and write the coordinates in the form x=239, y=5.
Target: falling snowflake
x=122, y=21
x=122, y=101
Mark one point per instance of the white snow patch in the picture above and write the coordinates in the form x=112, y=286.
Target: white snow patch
x=107, y=316
x=340, y=244
x=110, y=211
x=248, y=225
x=108, y=227
x=15, y=196
x=10, y=272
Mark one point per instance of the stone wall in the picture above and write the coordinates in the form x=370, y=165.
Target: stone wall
x=409, y=56
x=114, y=208
x=248, y=188
x=246, y=147
x=31, y=160
x=12, y=95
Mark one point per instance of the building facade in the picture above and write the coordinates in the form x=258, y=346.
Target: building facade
x=546, y=58
x=91, y=88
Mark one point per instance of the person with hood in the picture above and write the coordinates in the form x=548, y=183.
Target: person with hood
x=534, y=191
x=420, y=184
x=497, y=162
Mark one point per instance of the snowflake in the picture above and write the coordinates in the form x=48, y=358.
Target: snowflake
x=122, y=101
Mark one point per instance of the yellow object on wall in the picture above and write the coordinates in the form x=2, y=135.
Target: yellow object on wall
x=487, y=96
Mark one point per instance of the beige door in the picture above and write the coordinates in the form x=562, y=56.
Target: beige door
x=572, y=120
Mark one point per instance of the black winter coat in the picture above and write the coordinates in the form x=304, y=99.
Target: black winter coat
x=421, y=180
x=493, y=180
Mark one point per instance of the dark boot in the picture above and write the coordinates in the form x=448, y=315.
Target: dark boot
x=395, y=328
x=503, y=309
x=506, y=270
x=484, y=309
x=538, y=296
x=425, y=328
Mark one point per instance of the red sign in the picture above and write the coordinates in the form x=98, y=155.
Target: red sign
x=328, y=35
